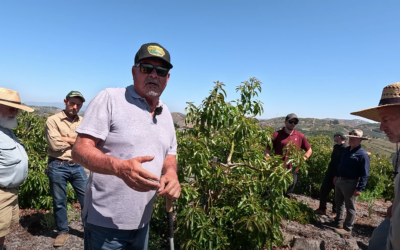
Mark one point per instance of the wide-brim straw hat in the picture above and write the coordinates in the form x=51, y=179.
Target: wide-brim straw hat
x=390, y=97
x=357, y=133
x=11, y=98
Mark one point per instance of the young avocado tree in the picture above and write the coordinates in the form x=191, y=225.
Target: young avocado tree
x=232, y=197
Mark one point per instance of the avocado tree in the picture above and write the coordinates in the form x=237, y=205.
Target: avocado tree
x=232, y=197
x=35, y=191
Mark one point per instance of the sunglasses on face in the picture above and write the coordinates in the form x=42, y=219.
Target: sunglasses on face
x=147, y=68
x=293, y=122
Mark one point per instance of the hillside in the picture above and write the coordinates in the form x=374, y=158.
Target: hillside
x=377, y=144
x=44, y=111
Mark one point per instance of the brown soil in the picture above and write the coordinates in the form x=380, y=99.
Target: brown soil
x=363, y=227
x=31, y=234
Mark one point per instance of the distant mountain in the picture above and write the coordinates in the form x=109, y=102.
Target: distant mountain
x=59, y=105
x=44, y=111
x=179, y=119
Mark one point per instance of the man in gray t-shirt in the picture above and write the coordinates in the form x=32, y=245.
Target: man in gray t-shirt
x=127, y=139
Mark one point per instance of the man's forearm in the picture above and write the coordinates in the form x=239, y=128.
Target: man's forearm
x=170, y=165
x=93, y=159
x=308, y=153
x=69, y=140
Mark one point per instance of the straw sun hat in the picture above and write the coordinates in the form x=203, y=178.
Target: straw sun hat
x=390, y=97
x=11, y=98
x=357, y=133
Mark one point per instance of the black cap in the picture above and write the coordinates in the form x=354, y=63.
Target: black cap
x=153, y=50
x=74, y=93
x=291, y=116
x=341, y=134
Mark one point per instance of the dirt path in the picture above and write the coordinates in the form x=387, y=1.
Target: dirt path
x=32, y=234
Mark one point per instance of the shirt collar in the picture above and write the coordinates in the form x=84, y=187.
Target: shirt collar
x=6, y=130
x=355, y=149
x=293, y=133
x=134, y=94
x=64, y=116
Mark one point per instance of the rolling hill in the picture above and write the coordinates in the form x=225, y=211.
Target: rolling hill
x=377, y=143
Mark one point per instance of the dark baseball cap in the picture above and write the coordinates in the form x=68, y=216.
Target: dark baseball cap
x=291, y=116
x=341, y=134
x=74, y=93
x=153, y=50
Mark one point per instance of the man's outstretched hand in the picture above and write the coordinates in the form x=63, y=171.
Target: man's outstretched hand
x=135, y=176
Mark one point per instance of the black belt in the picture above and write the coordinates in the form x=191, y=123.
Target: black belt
x=344, y=178
x=70, y=162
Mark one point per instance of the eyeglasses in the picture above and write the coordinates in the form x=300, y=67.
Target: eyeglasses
x=293, y=122
x=147, y=68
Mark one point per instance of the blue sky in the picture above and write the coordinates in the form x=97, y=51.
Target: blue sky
x=315, y=58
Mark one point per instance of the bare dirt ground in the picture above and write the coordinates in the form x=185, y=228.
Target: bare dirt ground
x=32, y=233
x=326, y=236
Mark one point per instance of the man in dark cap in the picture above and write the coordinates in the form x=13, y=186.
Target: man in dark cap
x=327, y=184
x=128, y=141
x=61, y=135
x=281, y=139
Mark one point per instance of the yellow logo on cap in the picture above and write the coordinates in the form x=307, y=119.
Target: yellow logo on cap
x=156, y=51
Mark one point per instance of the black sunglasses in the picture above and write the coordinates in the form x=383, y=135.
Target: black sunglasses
x=293, y=122
x=147, y=68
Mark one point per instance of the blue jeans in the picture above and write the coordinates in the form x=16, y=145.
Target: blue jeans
x=379, y=236
x=59, y=173
x=102, y=238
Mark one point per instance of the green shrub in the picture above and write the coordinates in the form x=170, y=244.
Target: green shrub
x=47, y=221
x=35, y=191
x=313, y=172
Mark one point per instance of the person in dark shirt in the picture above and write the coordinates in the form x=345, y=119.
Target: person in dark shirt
x=351, y=179
x=327, y=184
x=280, y=140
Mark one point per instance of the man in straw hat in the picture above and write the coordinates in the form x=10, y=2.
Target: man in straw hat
x=327, y=184
x=61, y=135
x=388, y=113
x=351, y=179
x=13, y=161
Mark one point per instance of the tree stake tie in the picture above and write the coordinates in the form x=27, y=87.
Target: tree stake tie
x=170, y=215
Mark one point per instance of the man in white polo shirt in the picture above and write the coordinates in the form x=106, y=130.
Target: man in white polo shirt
x=127, y=139
x=13, y=161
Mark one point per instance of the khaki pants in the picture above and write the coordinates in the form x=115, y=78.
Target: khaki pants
x=9, y=210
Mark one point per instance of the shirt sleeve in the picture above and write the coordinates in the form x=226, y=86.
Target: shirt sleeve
x=304, y=144
x=173, y=148
x=97, y=118
x=53, y=136
x=364, y=173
